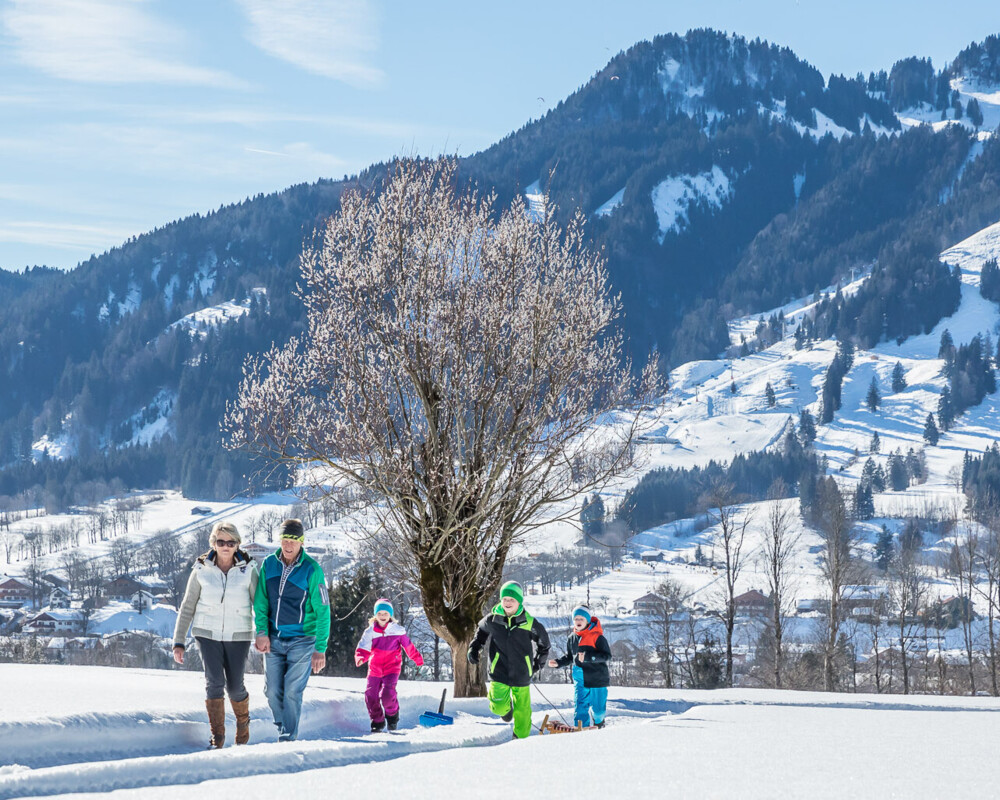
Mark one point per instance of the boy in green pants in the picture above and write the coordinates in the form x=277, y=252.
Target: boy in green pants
x=519, y=644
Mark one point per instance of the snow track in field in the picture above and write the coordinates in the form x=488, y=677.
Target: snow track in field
x=90, y=731
x=255, y=759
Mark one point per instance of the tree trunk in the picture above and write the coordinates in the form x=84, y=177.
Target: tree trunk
x=468, y=677
x=730, y=626
x=993, y=648
x=829, y=668
x=777, y=657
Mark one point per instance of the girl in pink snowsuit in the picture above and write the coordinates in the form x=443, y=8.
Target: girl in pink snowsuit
x=382, y=646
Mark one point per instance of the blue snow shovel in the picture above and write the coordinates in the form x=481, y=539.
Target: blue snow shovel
x=429, y=719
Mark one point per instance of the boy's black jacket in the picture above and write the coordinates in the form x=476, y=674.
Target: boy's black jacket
x=596, y=654
x=519, y=646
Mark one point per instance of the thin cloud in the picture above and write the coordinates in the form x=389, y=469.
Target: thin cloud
x=102, y=41
x=63, y=236
x=332, y=38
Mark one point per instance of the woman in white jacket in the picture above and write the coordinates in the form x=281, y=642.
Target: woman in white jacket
x=218, y=606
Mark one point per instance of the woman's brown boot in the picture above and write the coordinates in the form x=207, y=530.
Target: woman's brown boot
x=241, y=710
x=216, y=720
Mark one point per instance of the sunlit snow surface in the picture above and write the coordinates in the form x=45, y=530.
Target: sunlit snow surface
x=674, y=197
x=141, y=734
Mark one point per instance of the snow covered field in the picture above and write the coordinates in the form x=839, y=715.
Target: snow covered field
x=140, y=733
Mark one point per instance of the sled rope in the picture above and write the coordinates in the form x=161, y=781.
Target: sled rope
x=553, y=705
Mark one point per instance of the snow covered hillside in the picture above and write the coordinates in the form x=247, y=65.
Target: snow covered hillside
x=140, y=734
x=700, y=420
x=703, y=420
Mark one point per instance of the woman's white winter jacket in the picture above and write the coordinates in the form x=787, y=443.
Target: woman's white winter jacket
x=219, y=605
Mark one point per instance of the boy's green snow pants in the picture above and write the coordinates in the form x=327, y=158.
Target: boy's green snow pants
x=502, y=697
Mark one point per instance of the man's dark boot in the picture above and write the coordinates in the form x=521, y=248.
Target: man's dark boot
x=392, y=720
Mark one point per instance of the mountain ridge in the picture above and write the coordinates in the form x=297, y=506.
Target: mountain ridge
x=89, y=350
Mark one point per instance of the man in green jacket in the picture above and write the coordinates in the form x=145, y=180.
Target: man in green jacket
x=292, y=615
x=518, y=647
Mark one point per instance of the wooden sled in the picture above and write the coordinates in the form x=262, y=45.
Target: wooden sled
x=555, y=726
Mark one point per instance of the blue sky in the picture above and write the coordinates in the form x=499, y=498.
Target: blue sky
x=123, y=115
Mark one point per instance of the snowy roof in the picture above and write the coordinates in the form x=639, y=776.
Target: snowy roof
x=60, y=615
x=158, y=618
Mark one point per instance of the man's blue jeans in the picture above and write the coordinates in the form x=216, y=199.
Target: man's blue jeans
x=286, y=673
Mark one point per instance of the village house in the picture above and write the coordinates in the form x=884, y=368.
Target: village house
x=753, y=604
x=56, y=622
x=14, y=591
x=59, y=598
x=258, y=551
x=865, y=603
x=123, y=589
x=647, y=604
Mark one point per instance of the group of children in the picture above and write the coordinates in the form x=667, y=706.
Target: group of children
x=518, y=647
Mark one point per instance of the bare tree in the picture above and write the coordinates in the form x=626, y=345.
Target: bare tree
x=123, y=556
x=874, y=621
x=93, y=581
x=75, y=567
x=839, y=565
x=964, y=576
x=8, y=538
x=990, y=591
x=33, y=575
x=732, y=522
x=906, y=593
x=164, y=554
x=455, y=368
x=663, y=625
x=777, y=556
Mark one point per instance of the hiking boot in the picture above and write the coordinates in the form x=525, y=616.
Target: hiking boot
x=378, y=726
x=216, y=707
x=241, y=710
x=392, y=720
x=600, y=724
x=509, y=715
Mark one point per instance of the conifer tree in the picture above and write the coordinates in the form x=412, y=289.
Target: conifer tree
x=931, y=434
x=769, y=395
x=884, y=549
x=876, y=443
x=350, y=592
x=864, y=503
x=807, y=427
x=898, y=378
x=975, y=113
x=945, y=410
x=873, y=398
x=899, y=477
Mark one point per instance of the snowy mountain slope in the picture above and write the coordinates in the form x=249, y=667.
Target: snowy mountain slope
x=988, y=97
x=673, y=197
x=200, y=322
x=139, y=734
x=701, y=420
x=170, y=513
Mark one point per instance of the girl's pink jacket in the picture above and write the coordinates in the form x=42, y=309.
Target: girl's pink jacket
x=383, y=649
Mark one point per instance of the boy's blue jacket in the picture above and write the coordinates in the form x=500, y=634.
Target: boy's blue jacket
x=299, y=608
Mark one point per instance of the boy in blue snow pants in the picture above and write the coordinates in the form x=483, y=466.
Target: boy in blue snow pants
x=589, y=652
